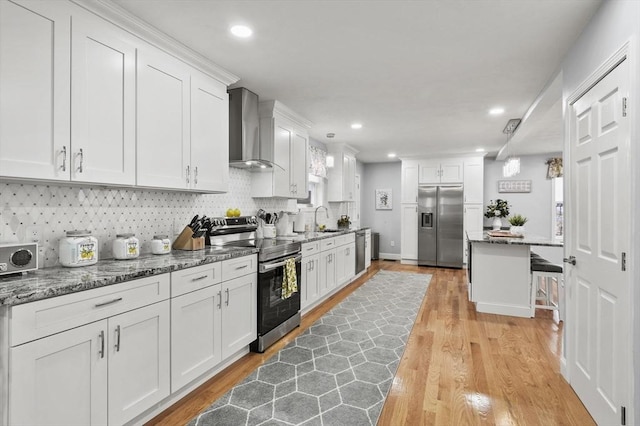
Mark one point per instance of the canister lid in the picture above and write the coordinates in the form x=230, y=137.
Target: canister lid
x=124, y=235
x=78, y=233
x=160, y=237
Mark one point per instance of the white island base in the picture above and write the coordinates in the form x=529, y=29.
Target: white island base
x=501, y=279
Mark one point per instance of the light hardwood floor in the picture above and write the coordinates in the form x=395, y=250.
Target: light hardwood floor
x=459, y=367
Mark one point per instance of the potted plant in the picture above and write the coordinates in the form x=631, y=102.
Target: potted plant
x=497, y=210
x=517, y=222
x=344, y=222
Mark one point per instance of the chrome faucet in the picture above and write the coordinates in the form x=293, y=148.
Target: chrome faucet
x=315, y=217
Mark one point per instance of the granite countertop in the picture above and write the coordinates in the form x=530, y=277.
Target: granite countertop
x=308, y=237
x=528, y=239
x=58, y=281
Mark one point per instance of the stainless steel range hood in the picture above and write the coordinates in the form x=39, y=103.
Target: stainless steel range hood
x=244, y=132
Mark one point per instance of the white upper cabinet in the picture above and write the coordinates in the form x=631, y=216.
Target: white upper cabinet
x=441, y=171
x=102, y=102
x=35, y=71
x=284, y=137
x=409, y=181
x=163, y=121
x=342, y=175
x=209, y=134
x=474, y=180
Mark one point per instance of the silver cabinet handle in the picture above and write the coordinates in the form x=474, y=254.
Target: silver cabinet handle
x=199, y=278
x=117, y=346
x=99, y=305
x=227, y=301
x=195, y=175
x=101, y=337
x=81, y=155
x=270, y=266
x=241, y=267
x=219, y=299
x=188, y=173
x=570, y=259
x=64, y=159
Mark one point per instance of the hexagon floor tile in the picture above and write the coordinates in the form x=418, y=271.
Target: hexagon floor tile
x=338, y=371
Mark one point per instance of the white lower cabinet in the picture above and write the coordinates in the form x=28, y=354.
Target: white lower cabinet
x=327, y=266
x=367, y=248
x=409, y=226
x=310, y=291
x=212, y=323
x=345, y=263
x=106, y=372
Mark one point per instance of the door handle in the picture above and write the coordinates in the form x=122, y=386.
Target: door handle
x=101, y=351
x=117, y=346
x=227, y=301
x=570, y=259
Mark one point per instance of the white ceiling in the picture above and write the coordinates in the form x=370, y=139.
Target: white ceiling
x=419, y=75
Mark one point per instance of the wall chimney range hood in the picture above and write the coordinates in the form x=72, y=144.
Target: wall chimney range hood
x=244, y=132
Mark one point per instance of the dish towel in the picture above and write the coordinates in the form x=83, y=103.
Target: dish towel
x=289, y=279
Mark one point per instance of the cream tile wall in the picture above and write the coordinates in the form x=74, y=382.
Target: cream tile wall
x=55, y=209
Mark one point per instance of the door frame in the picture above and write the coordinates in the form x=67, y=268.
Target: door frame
x=624, y=53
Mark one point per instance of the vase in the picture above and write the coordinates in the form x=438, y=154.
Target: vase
x=497, y=223
x=517, y=230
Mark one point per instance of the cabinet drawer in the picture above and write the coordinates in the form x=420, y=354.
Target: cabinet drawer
x=191, y=279
x=345, y=239
x=310, y=248
x=327, y=244
x=45, y=317
x=239, y=266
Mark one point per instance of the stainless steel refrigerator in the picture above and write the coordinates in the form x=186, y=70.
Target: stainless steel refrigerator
x=440, y=226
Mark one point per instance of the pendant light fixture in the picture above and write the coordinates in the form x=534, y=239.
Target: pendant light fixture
x=511, y=165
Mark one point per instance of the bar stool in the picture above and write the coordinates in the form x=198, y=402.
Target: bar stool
x=543, y=275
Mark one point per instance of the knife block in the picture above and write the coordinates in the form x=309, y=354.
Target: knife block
x=185, y=241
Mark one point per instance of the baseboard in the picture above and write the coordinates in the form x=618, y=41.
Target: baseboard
x=390, y=256
x=408, y=262
x=564, y=370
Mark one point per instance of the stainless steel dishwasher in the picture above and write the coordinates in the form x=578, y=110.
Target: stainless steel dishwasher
x=360, y=241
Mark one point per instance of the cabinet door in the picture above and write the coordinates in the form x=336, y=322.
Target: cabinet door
x=474, y=181
x=209, y=134
x=341, y=264
x=451, y=171
x=283, y=138
x=61, y=379
x=102, y=102
x=349, y=177
x=409, y=182
x=409, y=244
x=163, y=149
x=310, y=280
x=239, y=313
x=138, y=361
x=349, y=263
x=299, y=165
x=367, y=249
x=473, y=222
x=195, y=334
x=429, y=172
x=327, y=271
x=35, y=73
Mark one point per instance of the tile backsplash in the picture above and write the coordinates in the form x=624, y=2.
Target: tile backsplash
x=54, y=209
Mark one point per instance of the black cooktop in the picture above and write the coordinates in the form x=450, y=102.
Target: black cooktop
x=270, y=248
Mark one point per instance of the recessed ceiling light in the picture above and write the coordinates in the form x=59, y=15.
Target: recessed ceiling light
x=241, y=31
x=391, y=155
x=479, y=149
x=496, y=111
x=356, y=126
x=331, y=135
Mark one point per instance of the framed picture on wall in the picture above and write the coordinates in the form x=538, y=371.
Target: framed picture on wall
x=384, y=199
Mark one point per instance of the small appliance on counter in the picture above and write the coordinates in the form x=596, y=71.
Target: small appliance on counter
x=78, y=248
x=18, y=258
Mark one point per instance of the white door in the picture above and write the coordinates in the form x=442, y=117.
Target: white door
x=209, y=134
x=409, y=182
x=34, y=89
x=239, y=313
x=327, y=271
x=310, y=279
x=163, y=147
x=429, y=172
x=451, y=171
x=139, y=352
x=474, y=181
x=103, y=100
x=195, y=334
x=599, y=318
x=61, y=379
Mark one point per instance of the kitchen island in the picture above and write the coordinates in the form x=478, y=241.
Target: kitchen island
x=499, y=272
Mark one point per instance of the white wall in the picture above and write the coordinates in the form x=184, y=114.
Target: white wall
x=616, y=23
x=386, y=222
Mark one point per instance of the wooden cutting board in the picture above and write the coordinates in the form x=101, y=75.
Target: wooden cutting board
x=506, y=234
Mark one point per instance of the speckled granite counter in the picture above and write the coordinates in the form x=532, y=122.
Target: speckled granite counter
x=57, y=281
x=528, y=239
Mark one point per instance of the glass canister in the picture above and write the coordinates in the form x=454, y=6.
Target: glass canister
x=126, y=246
x=78, y=248
x=161, y=244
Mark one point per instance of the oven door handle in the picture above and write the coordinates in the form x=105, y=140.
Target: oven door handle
x=269, y=266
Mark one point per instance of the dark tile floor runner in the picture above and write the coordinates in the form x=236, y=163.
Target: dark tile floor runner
x=339, y=371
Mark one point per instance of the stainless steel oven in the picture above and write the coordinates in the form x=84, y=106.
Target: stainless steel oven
x=276, y=316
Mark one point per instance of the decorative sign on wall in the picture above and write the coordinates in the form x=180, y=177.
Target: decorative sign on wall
x=384, y=199
x=514, y=186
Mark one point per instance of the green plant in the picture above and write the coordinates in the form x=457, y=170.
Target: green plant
x=344, y=222
x=517, y=220
x=499, y=208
